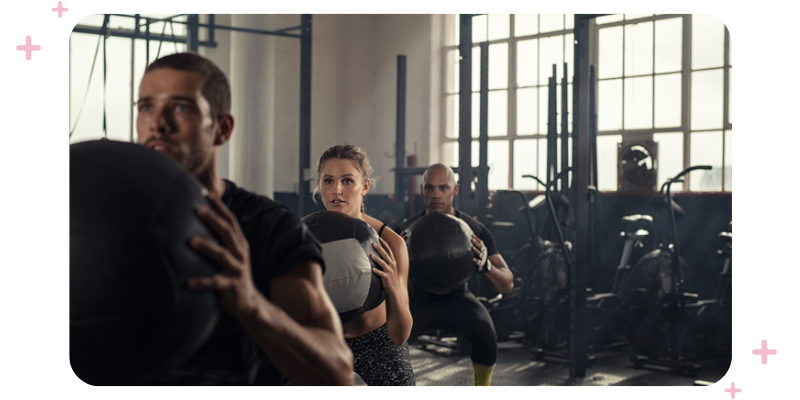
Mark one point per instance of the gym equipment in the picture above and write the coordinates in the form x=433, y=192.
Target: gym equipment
x=665, y=321
x=346, y=248
x=440, y=253
x=542, y=268
x=132, y=212
x=637, y=165
x=607, y=317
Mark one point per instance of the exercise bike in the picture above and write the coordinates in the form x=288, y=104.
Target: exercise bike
x=666, y=322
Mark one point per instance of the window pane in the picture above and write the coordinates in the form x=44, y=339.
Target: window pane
x=543, y=104
x=525, y=164
x=526, y=111
x=728, y=161
x=609, y=53
x=476, y=115
x=498, y=113
x=526, y=24
x=668, y=101
x=629, y=17
x=608, y=18
x=476, y=68
x=479, y=23
x=118, y=98
x=669, y=33
x=541, y=171
x=669, y=157
x=551, y=51
x=551, y=22
x=569, y=21
x=451, y=105
x=607, y=161
x=609, y=105
x=499, y=26
x=707, y=99
x=498, y=164
x=730, y=94
x=708, y=41
x=89, y=122
x=639, y=103
x=639, y=49
x=498, y=66
x=706, y=150
x=527, y=62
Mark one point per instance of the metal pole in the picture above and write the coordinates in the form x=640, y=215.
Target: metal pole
x=400, y=145
x=304, y=170
x=564, y=131
x=192, y=39
x=552, y=128
x=578, y=274
x=482, y=189
x=465, y=115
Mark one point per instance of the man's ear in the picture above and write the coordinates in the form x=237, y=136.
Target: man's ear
x=421, y=189
x=455, y=189
x=225, y=123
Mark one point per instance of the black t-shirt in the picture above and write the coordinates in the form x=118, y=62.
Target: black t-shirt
x=477, y=228
x=278, y=241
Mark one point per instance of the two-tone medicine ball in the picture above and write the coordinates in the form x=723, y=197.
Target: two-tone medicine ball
x=132, y=212
x=346, y=248
x=440, y=253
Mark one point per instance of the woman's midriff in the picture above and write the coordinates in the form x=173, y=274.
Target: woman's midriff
x=365, y=323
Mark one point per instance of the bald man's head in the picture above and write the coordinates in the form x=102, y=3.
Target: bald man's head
x=439, y=188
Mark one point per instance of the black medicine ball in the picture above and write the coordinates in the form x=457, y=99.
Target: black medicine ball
x=131, y=216
x=346, y=247
x=440, y=253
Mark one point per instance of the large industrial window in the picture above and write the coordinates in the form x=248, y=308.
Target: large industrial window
x=662, y=79
x=99, y=105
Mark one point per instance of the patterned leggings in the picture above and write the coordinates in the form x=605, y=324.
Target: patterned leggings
x=380, y=362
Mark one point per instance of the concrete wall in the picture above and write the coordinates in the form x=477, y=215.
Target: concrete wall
x=354, y=81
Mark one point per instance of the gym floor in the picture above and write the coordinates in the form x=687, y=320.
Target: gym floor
x=517, y=365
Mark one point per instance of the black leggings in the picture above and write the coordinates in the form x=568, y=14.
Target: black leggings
x=460, y=312
x=380, y=362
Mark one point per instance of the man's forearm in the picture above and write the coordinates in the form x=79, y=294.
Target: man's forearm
x=305, y=355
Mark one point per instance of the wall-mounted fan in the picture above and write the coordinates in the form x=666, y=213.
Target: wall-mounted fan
x=636, y=166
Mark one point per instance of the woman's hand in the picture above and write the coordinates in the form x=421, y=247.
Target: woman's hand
x=388, y=264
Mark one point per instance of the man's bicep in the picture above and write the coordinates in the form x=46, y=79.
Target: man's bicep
x=299, y=292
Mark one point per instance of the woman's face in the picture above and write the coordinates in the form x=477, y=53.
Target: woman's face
x=342, y=186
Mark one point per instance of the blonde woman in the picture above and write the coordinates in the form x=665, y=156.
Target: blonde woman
x=378, y=336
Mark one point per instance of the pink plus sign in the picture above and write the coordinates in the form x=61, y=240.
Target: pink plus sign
x=60, y=9
x=28, y=48
x=764, y=352
x=733, y=390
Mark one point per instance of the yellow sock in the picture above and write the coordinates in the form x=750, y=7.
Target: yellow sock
x=482, y=374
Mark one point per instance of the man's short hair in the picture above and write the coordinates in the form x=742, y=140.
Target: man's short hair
x=215, y=89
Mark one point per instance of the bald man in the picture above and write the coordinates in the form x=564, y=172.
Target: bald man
x=459, y=310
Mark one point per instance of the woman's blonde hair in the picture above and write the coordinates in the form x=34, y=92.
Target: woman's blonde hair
x=346, y=152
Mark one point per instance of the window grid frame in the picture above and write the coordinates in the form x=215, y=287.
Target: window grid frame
x=685, y=97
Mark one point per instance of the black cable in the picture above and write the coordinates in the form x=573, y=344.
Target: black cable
x=105, y=73
x=91, y=74
x=88, y=85
x=160, y=41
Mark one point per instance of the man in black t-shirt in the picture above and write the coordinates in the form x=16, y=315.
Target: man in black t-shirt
x=280, y=324
x=460, y=310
